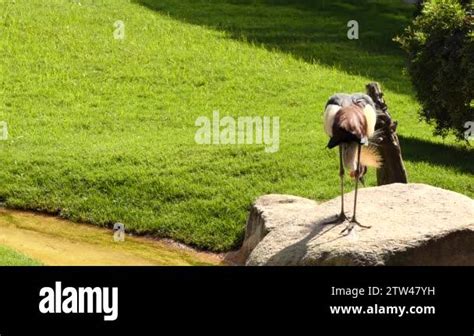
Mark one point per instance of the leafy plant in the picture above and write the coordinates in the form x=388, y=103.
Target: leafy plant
x=440, y=47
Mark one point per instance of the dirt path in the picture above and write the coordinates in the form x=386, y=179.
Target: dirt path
x=54, y=241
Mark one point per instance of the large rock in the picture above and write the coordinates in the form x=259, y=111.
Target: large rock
x=412, y=224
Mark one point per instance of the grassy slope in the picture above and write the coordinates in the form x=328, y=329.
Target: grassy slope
x=103, y=130
x=9, y=257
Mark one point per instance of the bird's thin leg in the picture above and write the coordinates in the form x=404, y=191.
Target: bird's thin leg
x=357, y=185
x=354, y=221
x=341, y=218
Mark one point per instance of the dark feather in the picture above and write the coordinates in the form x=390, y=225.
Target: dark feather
x=350, y=125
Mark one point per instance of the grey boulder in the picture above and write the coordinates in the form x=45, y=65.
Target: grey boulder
x=412, y=224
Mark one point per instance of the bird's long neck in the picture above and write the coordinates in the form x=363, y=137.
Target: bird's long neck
x=349, y=155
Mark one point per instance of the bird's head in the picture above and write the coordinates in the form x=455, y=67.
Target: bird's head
x=350, y=161
x=359, y=174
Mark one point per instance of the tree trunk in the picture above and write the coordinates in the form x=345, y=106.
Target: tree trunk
x=393, y=169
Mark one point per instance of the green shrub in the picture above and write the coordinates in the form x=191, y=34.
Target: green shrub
x=440, y=47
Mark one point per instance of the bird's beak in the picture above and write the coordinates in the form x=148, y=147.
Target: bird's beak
x=355, y=175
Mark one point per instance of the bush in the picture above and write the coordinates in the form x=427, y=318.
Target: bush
x=440, y=47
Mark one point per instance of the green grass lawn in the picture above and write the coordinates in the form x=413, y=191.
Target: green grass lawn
x=9, y=257
x=102, y=130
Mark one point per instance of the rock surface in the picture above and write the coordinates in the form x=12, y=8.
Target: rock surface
x=412, y=224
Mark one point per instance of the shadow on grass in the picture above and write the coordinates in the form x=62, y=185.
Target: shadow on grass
x=417, y=150
x=314, y=31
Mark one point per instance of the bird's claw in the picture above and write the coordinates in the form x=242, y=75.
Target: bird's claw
x=353, y=223
x=341, y=218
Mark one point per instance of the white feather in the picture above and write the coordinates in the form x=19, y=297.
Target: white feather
x=370, y=117
x=329, y=115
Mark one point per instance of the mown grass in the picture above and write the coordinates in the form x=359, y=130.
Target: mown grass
x=9, y=257
x=102, y=130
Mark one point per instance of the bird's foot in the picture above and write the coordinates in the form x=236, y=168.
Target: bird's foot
x=341, y=218
x=352, y=224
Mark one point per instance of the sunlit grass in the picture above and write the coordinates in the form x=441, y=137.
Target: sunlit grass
x=9, y=257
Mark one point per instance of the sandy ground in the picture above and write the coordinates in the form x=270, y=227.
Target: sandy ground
x=54, y=241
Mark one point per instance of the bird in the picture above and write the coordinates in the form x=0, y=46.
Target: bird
x=349, y=121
